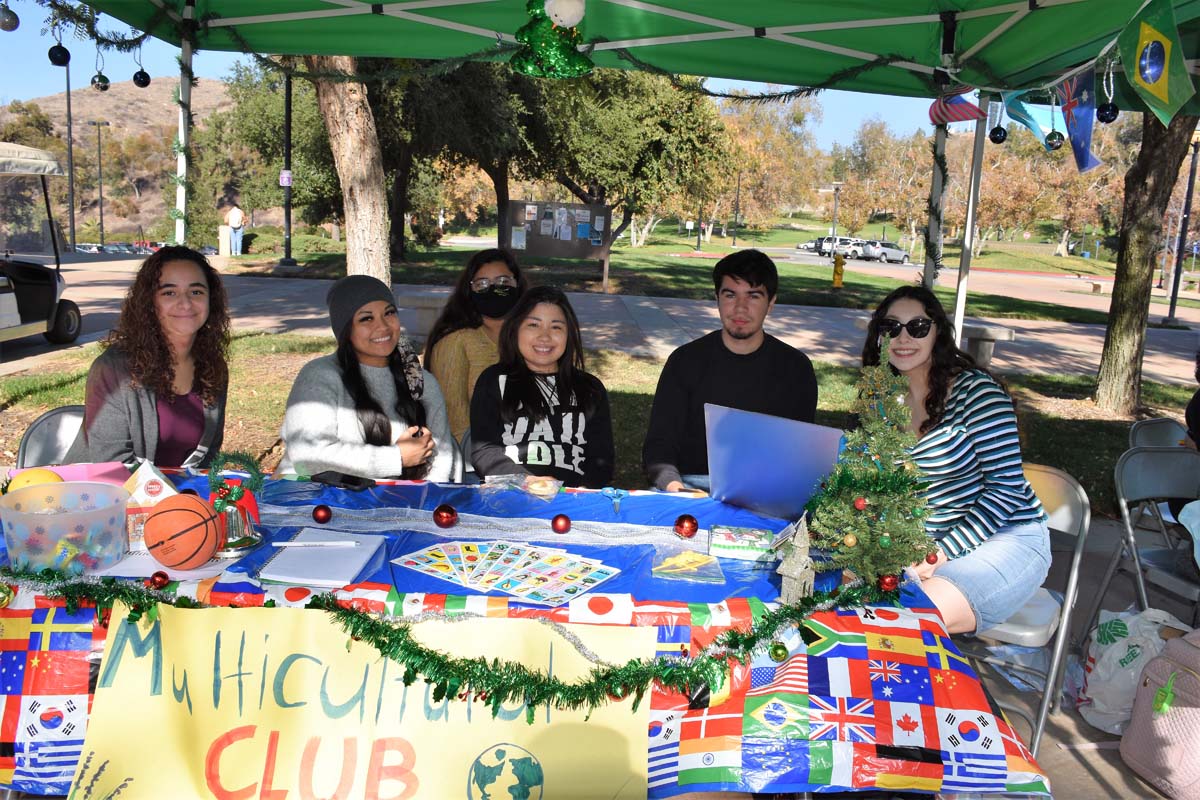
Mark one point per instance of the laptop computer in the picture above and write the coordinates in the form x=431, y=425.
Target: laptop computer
x=770, y=465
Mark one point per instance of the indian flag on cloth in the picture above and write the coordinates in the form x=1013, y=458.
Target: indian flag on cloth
x=715, y=759
x=1154, y=61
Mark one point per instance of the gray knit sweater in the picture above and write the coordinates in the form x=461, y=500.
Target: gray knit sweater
x=321, y=429
x=120, y=420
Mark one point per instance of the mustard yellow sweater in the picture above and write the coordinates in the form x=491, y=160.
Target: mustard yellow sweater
x=458, y=360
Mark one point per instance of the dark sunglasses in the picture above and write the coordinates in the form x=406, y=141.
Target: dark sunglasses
x=918, y=327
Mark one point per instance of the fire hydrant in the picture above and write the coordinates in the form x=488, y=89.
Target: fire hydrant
x=839, y=267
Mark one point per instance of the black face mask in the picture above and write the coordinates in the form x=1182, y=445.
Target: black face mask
x=496, y=301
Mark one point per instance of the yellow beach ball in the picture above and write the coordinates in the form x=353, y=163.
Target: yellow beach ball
x=33, y=477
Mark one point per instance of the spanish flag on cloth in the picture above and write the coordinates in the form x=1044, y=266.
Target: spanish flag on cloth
x=1154, y=61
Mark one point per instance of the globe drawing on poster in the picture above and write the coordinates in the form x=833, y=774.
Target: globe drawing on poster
x=505, y=771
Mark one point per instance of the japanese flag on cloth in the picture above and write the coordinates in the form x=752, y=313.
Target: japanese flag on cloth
x=602, y=609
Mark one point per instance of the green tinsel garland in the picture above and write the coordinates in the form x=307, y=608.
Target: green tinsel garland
x=933, y=247
x=499, y=681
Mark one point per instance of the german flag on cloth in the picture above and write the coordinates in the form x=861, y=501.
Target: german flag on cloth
x=1154, y=60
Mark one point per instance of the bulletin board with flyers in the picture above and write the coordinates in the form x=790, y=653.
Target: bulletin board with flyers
x=559, y=230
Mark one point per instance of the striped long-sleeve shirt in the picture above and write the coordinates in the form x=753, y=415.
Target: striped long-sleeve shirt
x=972, y=460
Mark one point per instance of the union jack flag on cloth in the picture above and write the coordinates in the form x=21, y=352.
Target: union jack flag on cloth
x=954, y=107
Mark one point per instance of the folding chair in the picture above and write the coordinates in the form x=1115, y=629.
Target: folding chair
x=49, y=437
x=1156, y=432
x=1153, y=474
x=1044, y=617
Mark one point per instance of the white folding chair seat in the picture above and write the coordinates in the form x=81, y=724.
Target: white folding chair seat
x=49, y=437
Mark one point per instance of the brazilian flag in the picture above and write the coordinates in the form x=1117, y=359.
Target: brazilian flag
x=1154, y=61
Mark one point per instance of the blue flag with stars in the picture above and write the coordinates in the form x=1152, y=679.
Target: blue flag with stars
x=1077, y=98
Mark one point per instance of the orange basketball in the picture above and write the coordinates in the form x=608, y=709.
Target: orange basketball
x=182, y=532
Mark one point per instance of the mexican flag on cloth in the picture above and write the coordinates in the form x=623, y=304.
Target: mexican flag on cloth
x=1154, y=60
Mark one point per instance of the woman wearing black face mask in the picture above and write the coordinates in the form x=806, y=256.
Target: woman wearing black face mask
x=462, y=343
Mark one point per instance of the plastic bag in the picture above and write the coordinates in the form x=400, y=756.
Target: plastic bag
x=533, y=485
x=681, y=564
x=1121, y=645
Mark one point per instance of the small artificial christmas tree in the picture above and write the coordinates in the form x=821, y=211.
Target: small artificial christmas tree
x=869, y=516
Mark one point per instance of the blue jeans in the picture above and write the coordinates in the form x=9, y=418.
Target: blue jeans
x=235, y=241
x=1000, y=575
x=701, y=482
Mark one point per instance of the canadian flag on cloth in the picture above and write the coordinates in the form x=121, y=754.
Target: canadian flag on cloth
x=603, y=609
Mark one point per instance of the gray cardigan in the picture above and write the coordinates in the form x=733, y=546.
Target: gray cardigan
x=321, y=430
x=120, y=420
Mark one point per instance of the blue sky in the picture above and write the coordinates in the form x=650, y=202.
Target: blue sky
x=843, y=111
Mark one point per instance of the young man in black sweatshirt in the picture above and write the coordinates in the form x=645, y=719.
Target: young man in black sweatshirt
x=739, y=366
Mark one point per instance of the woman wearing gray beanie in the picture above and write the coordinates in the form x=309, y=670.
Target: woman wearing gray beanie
x=368, y=409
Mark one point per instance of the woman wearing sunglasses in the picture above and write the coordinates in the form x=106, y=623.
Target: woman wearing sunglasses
x=462, y=343
x=993, y=543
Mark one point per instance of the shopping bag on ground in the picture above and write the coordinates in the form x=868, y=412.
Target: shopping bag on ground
x=1121, y=645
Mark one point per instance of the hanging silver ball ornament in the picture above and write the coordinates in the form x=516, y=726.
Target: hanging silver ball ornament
x=59, y=56
x=1107, y=112
x=998, y=134
x=1054, y=140
x=141, y=79
x=9, y=21
x=100, y=82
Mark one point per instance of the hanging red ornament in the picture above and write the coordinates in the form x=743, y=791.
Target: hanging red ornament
x=445, y=516
x=860, y=503
x=561, y=523
x=889, y=583
x=322, y=514
x=159, y=580
x=932, y=558
x=686, y=526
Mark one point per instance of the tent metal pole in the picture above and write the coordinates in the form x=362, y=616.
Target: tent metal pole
x=937, y=196
x=185, y=115
x=964, y=261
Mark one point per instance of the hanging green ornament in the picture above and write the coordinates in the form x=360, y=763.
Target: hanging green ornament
x=778, y=652
x=548, y=51
x=885, y=541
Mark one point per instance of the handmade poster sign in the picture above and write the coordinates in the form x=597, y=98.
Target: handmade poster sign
x=282, y=703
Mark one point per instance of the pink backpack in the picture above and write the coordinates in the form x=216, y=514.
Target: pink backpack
x=1163, y=737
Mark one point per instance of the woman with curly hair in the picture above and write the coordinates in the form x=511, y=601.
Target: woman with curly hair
x=462, y=343
x=993, y=543
x=157, y=392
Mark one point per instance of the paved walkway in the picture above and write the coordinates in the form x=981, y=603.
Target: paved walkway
x=654, y=326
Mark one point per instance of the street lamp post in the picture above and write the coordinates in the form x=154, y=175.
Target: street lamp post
x=287, y=259
x=1183, y=228
x=100, y=172
x=837, y=191
x=70, y=152
x=737, y=207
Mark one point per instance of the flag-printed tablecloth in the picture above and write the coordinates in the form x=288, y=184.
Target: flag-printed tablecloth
x=873, y=697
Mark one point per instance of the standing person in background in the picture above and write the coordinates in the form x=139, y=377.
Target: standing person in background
x=463, y=341
x=1192, y=414
x=235, y=218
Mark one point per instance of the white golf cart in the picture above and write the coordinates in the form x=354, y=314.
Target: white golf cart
x=31, y=292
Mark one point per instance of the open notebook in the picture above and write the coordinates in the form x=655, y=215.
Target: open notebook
x=324, y=567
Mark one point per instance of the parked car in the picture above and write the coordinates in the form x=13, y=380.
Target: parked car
x=812, y=244
x=208, y=250
x=851, y=248
x=883, y=251
x=87, y=247
x=843, y=242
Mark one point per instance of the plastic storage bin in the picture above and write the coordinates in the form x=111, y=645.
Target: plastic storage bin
x=75, y=526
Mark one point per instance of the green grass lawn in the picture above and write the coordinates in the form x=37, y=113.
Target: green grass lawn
x=657, y=270
x=1085, y=444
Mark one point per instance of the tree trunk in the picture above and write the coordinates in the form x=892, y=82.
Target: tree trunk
x=1148, y=186
x=626, y=218
x=499, y=175
x=359, y=163
x=399, y=205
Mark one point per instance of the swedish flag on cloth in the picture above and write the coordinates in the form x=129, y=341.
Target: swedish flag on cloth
x=1154, y=61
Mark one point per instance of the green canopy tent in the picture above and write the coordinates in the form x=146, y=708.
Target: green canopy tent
x=859, y=45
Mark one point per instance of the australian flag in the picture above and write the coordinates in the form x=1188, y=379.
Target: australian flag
x=1077, y=96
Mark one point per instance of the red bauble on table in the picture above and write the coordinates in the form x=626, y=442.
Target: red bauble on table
x=561, y=523
x=889, y=583
x=159, y=580
x=445, y=516
x=932, y=558
x=322, y=514
x=686, y=526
